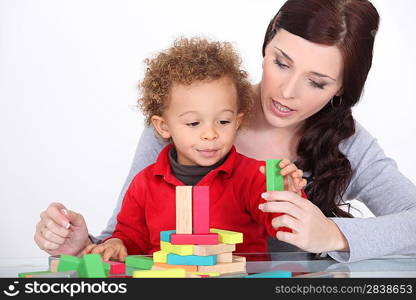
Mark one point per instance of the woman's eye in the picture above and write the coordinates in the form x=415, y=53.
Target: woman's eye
x=192, y=124
x=281, y=65
x=317, y=85
x=223, y=122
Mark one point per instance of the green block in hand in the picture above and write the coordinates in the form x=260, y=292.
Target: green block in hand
x=274, y=180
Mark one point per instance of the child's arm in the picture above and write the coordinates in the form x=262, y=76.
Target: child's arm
x=111, y=249
x=131, y=227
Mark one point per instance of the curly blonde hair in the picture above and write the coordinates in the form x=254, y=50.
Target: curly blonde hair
x=188, y=61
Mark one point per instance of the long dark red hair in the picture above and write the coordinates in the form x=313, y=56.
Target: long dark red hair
x=350, y=25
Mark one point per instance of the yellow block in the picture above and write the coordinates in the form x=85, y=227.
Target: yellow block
x=177, y=249
x=227, y=236
x=210, y=274
x=160, y=256
x=167, y=273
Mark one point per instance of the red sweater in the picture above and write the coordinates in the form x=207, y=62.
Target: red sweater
x=235, y=194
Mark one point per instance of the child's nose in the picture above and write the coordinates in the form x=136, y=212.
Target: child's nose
x=209, y=134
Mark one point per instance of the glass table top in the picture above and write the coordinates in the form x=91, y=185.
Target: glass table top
x=301, y=264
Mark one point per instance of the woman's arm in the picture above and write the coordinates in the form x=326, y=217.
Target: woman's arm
x=147, y=151
x=378, y=183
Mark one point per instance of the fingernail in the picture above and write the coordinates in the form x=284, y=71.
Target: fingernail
x=264, y=195
x=64, y=211
x=261, y=206
x=68, y=225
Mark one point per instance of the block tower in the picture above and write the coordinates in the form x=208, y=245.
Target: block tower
x=195, y=247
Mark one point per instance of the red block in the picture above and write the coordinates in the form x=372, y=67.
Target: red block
x=194, y=239
x=117, y=267
x=200, y=209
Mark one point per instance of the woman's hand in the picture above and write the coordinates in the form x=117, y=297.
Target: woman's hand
x=113, y=249
x=60, y=231
x=311, y=230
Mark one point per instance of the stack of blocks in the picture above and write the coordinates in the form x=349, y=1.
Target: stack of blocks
x=194, y=249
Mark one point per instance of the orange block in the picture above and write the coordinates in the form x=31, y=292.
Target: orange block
x=167, y=266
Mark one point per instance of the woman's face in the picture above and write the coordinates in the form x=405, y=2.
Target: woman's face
x=299, y=78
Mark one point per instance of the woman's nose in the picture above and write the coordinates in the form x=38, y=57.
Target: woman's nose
x=288, y=87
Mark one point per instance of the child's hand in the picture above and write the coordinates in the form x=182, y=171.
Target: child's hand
x=293, y=180
x=113, y=249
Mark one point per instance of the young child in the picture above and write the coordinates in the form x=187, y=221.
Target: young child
x=195, y=95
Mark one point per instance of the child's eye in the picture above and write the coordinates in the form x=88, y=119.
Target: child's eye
x=281, y=65
x=192, y=124
x=223, y=122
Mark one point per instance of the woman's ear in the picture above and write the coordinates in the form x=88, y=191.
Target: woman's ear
x=340, y=92
x=161, y=126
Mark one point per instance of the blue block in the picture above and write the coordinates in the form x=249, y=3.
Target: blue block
x=165, y=235
x=272, y=274
x=192, y=260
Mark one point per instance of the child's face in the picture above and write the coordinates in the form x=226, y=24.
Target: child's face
x=202, y=119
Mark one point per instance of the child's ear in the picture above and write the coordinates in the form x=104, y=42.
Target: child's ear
x=161, y=126
x=240, y=117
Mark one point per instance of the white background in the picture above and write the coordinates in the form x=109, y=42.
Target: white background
x=68, y=76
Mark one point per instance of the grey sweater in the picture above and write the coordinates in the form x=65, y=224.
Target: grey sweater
x=376, y=181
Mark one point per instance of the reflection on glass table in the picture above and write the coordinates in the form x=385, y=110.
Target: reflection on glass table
x=301, y=264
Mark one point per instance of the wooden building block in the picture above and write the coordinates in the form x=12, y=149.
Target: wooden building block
x=177, y=249
x=184, y=209
x=225, y=268
x=160, y=256
x=188, y=268
x=139, y=262
x=192, y=260
x=67, y=274
x=200, y=209
x=168, y=273
x=191, y=275
x=68, y=263
x=91, y=266
x=53, y=263
x=165, y=235
x=114, y=267
x=239, y=258
x=204, y=250
x=274, y=180
x=271, y=274
x=224, y=257
x=206, y=274
x=194, y=239
x=228, y=237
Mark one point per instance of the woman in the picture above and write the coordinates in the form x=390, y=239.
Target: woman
x=317, y=55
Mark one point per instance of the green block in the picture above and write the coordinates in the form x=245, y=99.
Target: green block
x=107, y=268
x=29, y=274
x=274, y=180
x=91, y=266
x=139, y=261
x=68, y=263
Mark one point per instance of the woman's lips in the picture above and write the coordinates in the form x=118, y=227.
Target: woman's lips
x=281, y=110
